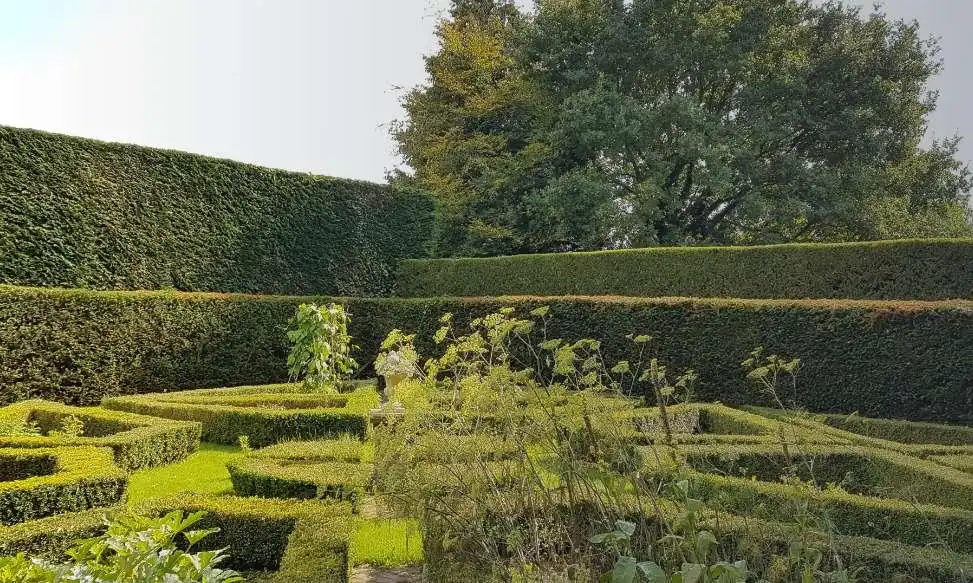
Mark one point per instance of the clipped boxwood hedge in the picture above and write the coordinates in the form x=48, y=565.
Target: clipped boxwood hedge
x=82, y=213
x=138, y=441
x=304, y=469
x=35, y=483
x=225, y=415
x=921, y=269
x=304, y=542
x=882, y=359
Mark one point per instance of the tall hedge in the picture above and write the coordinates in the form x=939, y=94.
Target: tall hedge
x=82, y=213
x=926, y=270
x=883, y=359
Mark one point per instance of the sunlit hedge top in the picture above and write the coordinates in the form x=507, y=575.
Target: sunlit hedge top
x=922, y=269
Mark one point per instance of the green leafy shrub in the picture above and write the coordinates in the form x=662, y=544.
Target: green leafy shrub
x=321, y=347
x=133, y=549
x=137, y=441
x=921, y=269
x=301, y=542
x=226, y=414
x=41, y=482
x=89, y=214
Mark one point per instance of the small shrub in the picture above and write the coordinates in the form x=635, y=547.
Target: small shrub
x=133, y=550
x=321, y=349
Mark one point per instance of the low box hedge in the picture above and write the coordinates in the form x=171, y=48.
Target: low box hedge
x=225, y=414
x=39, y=482
x=138, y=441
x=901, y=431
x=303, y=542
x=701, y=423
x=883, y=561
x=902, y=498
x=304, y=470
x=919, y=269
x=270, y=478
x=77, y=346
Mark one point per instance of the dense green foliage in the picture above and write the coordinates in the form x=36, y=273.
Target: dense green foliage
x=40, y=482
x=302, y=542
x=857, y=355
x=927, y=270
x=138, y=441
x=287, y=471
x=320, y=347
x=587, y=124
x=264, y=417
x=777, y=494
x=82, y=213
x=133, y=549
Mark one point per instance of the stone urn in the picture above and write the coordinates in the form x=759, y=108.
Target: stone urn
x=392, y=379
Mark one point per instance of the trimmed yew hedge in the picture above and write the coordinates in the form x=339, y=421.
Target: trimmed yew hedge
x=81, y=213
x=921, y=269
x=880, y=358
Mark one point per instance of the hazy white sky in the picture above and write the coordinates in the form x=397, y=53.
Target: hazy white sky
x=305, y=85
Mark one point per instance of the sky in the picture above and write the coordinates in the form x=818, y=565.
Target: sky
x=306, y=85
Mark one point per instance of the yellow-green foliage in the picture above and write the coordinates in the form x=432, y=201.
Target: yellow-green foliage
x=204, y=471
x=304, y=542
x=39, y=482
x=264, y=417
x=138, y=441
x=385, y=542
x=296, y=470
x=867, y=487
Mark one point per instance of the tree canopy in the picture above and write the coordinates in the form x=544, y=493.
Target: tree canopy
x=589, y=124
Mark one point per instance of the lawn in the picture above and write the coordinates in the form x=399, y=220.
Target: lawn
x=204, y=471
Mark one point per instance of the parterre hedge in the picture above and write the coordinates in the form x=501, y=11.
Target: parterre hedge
x=225, y=415
x=921, y=269
x=138, y=441
x=35, y=483
x=303, y=542
x=81, y=213
x=880, y=358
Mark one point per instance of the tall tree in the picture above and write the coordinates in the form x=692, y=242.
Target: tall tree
x=601, y=123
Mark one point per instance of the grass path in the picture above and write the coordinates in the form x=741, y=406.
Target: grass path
x=203, y=471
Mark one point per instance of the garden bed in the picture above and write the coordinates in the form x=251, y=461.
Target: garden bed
x=137, y=441
x=38, y=482
x=228, y=414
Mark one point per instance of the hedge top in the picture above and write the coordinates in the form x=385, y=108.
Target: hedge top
x=84, y=213
x=138, y=441
x=930, y=269
x=59, y=466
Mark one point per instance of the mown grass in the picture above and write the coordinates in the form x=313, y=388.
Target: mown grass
x=204, y=471
x=386, y=542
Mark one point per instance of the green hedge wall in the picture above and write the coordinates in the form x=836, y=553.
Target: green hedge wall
x=82, y=213
x=882, y=359
x=927, y=270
